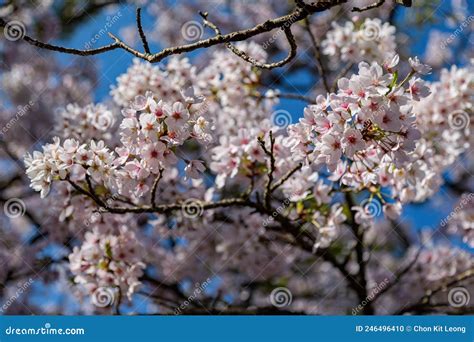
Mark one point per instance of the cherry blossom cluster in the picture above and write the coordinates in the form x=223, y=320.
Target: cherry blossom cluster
x=242, y=160
x=107, y=260
x=85, y=123
x=227, y=83
x=165, y=82
x=230, y=85
x=323, y=215
x=357, y=40
x=243, y=247
x=59, y=161
x=237, y=159
x=33, y=96
x=366, y=133
x=445, y=119
x=150, y=132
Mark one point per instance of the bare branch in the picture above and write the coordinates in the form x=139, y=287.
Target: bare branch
x=154, y=187
x=251, y=60
x=369, y=7
x=254, y=62
x=124, y=46
x=70, y=51
x=317, y=54
x=358, y=231
x=282, y=22
x=140, y=31
x=342, y=73
x=270, y=154
x=287, y=176
x=284, y=96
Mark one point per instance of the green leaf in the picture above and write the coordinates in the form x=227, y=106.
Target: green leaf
x=108, y=250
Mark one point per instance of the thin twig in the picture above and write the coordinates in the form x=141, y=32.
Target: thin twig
x=317, y=54
x=155, y=186
x=358, y=232
x=62, y=49
x=285, y=96
x=242, y=54
x=128, y=48
x=342, y=73
x=287, y=176
x=140, y=31
x=270, y=154
x=283, y=22
x=368, y=7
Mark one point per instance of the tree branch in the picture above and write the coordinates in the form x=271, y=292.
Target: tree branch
x=270, y=154
x=57, y=48
x=371, y=6
x=140, y=31
x=251, y=60
x=425, y=300
x=287, y=176
x=154, y=187
x=285, y=96
x=317, y=54
x=283, y=22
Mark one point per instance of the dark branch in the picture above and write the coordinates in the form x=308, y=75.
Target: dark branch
x=317, y=54
x=426, y=299
x=140, y=31
x=283, y=22
x=251, y=60
x=371, y=6
x=154, y=187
